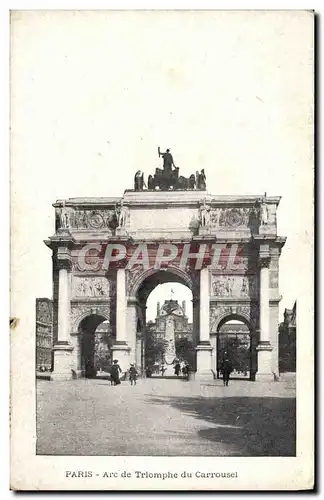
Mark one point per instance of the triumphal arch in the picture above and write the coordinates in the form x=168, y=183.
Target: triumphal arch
x=110, y=253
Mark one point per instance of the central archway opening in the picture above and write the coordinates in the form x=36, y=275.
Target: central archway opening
x=169, y=330
x=234, y=342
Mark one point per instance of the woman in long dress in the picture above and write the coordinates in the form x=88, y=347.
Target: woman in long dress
x=115, y=370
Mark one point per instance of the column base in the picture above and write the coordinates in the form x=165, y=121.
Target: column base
x=203, y=362
x=264, y=377
x=62, y=362
x=78, y=374
x=121, y=353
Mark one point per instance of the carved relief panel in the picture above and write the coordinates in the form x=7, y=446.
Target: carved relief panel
x=90, y=286
x=131, y=277
x=230, y=217
x=81, y=311
x=234, y=286
x=67, y=217
x=215, y=314
x=44, y=311
x=274, y=271
x=248, y=311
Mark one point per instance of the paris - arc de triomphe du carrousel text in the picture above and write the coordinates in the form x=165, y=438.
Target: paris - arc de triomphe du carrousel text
x=109, y=254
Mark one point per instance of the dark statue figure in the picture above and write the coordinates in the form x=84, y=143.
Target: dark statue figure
x=150, y=182
x=167, y=160
x=139, y=183
x=192, y=181
x=167, y=178
x=201, y=180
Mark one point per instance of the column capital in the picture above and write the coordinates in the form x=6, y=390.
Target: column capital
x=132, y=301
x=64, y=263
x=63, y=240
x=264, y=261
x=62, y=257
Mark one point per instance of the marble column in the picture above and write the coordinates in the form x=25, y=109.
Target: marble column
x=63, y=307
x=204, y=348
x=131, y=328
x=264, y=347
x=121, y=349
x=139, y=353
x=63, y=347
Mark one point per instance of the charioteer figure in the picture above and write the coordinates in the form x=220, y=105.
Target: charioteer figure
x=168, y=177
x=168, y=162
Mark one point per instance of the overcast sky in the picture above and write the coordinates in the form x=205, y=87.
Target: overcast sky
x=94, y=94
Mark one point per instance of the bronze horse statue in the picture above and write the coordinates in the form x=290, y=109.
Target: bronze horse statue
x=166, y=180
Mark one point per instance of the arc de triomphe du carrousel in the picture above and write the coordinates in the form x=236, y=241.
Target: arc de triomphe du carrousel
x=109, y=254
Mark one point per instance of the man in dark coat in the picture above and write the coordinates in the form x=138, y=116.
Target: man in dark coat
x=186, y=370
x=177, y=369
x=227, y=369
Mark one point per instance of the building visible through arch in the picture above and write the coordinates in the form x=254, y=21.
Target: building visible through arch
x=106, y=262
x=183, y=329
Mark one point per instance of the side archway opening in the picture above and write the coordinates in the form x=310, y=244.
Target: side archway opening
x=234, y=341
x=96, y=341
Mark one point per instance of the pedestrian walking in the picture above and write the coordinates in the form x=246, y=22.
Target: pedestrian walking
x=177, y=369
x=227, y=369
x=115, y=371
x=132, y=374
x=186, y=371
x=163, y=370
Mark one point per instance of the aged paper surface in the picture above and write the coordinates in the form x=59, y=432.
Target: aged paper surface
x=93, y=96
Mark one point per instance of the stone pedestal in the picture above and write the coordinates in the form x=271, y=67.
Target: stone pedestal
x=62, y=362
x=121, y=353
x=204, y=231
x=121, y=231
x=204, y=362
x=264, y=373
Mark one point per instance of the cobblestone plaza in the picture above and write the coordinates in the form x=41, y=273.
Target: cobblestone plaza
x=166, y=417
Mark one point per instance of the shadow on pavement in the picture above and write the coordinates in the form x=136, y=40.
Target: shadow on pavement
x=254, y=426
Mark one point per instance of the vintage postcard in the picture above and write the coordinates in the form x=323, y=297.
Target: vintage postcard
x=162, y=177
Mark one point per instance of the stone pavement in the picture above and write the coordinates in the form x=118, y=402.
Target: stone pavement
x=166, y=418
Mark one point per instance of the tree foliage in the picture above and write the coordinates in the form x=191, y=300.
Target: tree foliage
x=154, y=347
x=185, y=350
